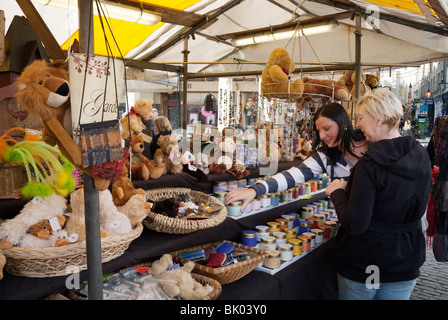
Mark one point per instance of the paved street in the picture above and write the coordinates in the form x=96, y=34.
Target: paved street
x=433, y=281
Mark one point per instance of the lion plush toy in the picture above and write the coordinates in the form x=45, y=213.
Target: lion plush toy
x=43, y=90
x=140, y=167
x=275, y=79
x=133, y=123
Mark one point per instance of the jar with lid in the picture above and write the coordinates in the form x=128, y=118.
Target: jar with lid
x=281, y=197
x=256, y=204
x=234, y=208
x=248, y=208
x=268, y=243
x=290, y=219
x=220, y=186
x=220, y=195
x=326, y=231
x=306, y=242
x=319, y=184
x=307, y=187
x=313, y=221
x=285, y=252
x=318, y=206
x=280, y=238
x=283, y=223
x=307, y=212
x=303, y=189
x=273, y=260
x=249, y=238
x=312, y=206
x=320, y=218
x=288, y=195
x=274, y=226
x=333, y=227
x=295, y=192
x=324, y=204
x=262, y=231
x=296, y=246
x=319, y=235
x=290, y=233
x=251, y=181
x=232, y=185
x=312, y=237
x=313, y=185
x=265, y=201
x=274, y=199
x=241, y=183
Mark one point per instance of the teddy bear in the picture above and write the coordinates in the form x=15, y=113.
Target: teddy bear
x=168, y=155
x=43, y=90
x=372, y=80
x=43, y=234
x=275, y=78
x=123, y=189
x=323, y=89
x=223, y=155
x=305, y=150
x=132, y=123
x=33, y=222
x=349, y=78
x=178, y=282
x=139, y=166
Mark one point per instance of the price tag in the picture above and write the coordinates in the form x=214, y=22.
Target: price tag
x=54, y=223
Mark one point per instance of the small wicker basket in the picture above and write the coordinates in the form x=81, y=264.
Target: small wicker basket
x=165, y=224
x=12, y=180
x=60, y=261
x=230, y=273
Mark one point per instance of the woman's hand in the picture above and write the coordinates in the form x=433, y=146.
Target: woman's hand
x=245, y=194
x=334, y=185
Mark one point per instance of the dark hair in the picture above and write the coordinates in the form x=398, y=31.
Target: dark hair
x=346, y=134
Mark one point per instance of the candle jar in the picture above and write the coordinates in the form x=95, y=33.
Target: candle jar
x=333, y=227
x=283, y=223
x=319, y=235
x=220, y=186
x=232, y=185
x=306, y=242
x=220, y=195
x=313, y=186
x=307, y=187
x=249, y=238
x=248, y=208
x=290, y=219
x=324, y=204
x=280, y=238
x=312, y=206
x=290, y=233
x=268, y=243
x=325, y=181
x=313, y=221
x=296, y=246
x=262, y=231
x=307, y=212
x=312, y=238
x=265, y=201
x=302, y=189
x=273, y=227
x=318, y=206
x=281, y=197
x=241, y=183
x=234, y=208
x=304, y=227
x=275, y=199
x=256, y=204
x=288, y=195
x=273, y=260
x=251, y=181
x=326, y=231
x=295, y=192
x=319, y=184
x=286, y=253
x=320, y=218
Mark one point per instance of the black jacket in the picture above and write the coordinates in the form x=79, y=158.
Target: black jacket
x=380, y=212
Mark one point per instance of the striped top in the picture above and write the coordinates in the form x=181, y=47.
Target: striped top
x=311, y=167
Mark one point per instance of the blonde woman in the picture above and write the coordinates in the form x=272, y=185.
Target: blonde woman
x=380, y=245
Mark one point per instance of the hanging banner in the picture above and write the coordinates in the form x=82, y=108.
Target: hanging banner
x=96, y=83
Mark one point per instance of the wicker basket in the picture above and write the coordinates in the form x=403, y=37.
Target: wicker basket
x=162, y=223
x=12, y=179
x=228, y=273
x=59, y=261
x=199, y=278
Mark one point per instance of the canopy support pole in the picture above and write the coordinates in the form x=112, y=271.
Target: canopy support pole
x=185, y=83
x=91, y=194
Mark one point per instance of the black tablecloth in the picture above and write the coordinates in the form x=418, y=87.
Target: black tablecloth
x=312, y=277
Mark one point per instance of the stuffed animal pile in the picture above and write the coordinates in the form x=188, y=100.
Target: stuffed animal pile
x=140, y=167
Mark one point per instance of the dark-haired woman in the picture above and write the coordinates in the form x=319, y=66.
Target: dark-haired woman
x=338, y=148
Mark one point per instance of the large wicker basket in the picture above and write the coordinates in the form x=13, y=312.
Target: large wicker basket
x=230, y=273
x=165, y=224
x=60, y=261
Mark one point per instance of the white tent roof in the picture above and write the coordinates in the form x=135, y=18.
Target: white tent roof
x=400, y=36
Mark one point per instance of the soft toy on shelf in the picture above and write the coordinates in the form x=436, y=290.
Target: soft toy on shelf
x=123, y=189
x=132, y=123
x=140, y=167
x=168, y=155
x=223, y=156
x=34, y=214
x=305, y=150
x=323, y=89
x=372, y=81
x=46, y=234
x=43, y=90
x=275, y=79
x=178, y=282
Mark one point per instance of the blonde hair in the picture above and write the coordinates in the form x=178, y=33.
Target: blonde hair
x=383, y=105
x=163, y=124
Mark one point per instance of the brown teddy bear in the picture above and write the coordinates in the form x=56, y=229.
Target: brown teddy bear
x=372, y=81
x=43, y=90
x=132, y=123
x=123, y=189
x=140, y=167
x=168, y=155
x=275, y=79
x=323, y=89
x=305, y=150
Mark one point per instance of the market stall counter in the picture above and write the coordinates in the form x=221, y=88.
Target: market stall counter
x=312, y=277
